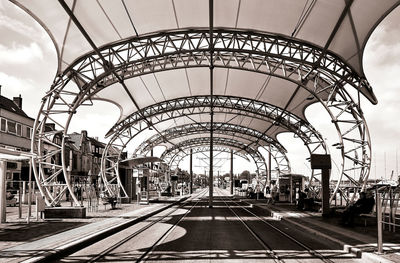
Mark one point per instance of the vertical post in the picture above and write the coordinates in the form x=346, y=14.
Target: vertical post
x=211, y=27
x=291, y=188
x=3, y=191
x=269, y=167
x=325, y=192
x=36, y=207
x=379, y=220
x=24, y=192
x=20, y=200
x=191, y=172
x=391, y=214
x=30, y=192
x=231, y=175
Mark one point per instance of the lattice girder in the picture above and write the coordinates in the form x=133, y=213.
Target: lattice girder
x=180, y=155
x=274, y=55
x=257, y=157
x=272, y=146
x=184, y=107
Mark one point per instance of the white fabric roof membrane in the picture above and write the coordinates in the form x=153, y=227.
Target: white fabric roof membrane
x=107, y=21
x=310, y=21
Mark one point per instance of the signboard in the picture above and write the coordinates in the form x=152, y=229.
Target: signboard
x=321, y=161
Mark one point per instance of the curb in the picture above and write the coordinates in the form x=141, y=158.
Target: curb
x=77, y=244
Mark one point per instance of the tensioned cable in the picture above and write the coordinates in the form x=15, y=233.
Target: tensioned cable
x=130, y=18
x=304, y=14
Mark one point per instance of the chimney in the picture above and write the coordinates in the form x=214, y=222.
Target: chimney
x=18, y=101
x=84, y=133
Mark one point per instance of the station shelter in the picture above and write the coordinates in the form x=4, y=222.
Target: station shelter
x=289, y=186
x=146, y=179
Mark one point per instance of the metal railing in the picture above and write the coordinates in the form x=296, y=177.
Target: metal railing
x=387, y=201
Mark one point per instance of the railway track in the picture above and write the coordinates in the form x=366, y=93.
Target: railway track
x=142, y=243
x=273, y=254
x=143, y=257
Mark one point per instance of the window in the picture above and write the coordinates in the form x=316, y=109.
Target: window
x=19, y=129
x=57, y=140
x=28, y=132
x=3, y=125
x=11, y=127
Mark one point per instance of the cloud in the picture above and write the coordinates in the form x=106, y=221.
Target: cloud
x=20, y=54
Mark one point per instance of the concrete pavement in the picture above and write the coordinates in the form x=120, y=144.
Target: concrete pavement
x=38, y=240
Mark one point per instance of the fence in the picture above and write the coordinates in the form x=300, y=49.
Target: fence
x=387, y=201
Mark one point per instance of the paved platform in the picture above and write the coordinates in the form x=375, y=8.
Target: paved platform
x=20, y=241
x=360, y=239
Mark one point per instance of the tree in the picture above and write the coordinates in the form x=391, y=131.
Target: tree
x=245, y=175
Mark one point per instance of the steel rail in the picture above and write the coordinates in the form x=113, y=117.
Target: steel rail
x=146, y=255
x=141, y=230
x=310, y=250
x=267, y=248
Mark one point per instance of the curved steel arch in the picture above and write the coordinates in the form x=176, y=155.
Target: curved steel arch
x=276, y=150
x=191, y=143
x=270, y=54
x=199, y=127
x=183, y=107
x=180, y=155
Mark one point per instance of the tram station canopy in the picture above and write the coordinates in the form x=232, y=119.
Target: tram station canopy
x=342, y=27
x=237, y=59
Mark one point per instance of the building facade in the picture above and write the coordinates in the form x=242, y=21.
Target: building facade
x=15, y=133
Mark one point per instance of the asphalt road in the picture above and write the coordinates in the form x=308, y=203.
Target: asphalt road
x=202, y=234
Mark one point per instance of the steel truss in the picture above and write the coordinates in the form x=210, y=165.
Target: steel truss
x=185, y=107
x=180, y=155
x=276, y=150
x=293, y=60
x=257, y=157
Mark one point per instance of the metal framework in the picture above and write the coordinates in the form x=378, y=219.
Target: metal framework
x=276, y=150
x=185, y=107
x=320, y=72
x=180, y=155
x=257, y=157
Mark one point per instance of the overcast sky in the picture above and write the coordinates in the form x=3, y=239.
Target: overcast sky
x=28, y=65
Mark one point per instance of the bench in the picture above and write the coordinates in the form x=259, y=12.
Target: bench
x=367, y=216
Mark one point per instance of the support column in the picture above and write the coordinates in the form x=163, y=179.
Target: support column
x=231, y=172
x=191, y=172
x=323, y=162
x=269, y=167
x=3, y=186
x=325, y=192
x=211, y=32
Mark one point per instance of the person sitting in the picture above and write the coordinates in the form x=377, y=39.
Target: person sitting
x=364, y=205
